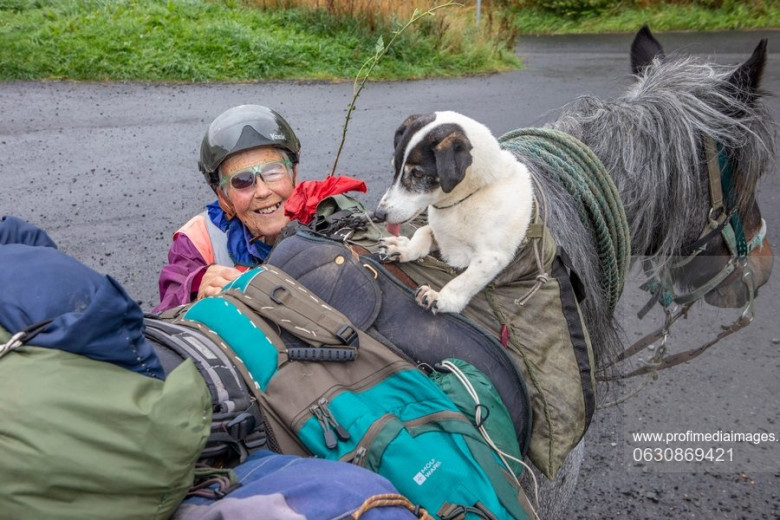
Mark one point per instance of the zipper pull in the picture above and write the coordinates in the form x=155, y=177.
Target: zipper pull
x=329, y=436
x=360, y=456
x=342, y=432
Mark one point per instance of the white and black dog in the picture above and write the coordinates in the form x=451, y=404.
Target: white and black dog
x=479, y=199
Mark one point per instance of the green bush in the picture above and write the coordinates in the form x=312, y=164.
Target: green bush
x=535, y=16
x=574, y=8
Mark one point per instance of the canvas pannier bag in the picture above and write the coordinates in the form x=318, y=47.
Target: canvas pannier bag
x=329, y=389
x=81, y=438
x=544, y=336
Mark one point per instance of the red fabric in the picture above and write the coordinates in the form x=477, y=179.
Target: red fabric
x=303, y=202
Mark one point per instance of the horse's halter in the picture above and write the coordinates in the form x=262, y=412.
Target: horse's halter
x=724, y=219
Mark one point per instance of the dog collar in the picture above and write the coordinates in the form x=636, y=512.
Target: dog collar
x=456, y=202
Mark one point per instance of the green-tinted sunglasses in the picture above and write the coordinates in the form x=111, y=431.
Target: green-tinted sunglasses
x=270, y=172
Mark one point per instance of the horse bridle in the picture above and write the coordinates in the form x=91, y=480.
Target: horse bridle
x=724, y=219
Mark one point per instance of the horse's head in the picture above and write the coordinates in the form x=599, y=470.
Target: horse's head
x=728, y=258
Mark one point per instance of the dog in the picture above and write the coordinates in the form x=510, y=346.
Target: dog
x=479, y=199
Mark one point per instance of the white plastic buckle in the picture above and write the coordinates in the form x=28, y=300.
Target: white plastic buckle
x=12, y=344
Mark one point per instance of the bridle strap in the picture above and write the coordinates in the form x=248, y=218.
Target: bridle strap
x=724, y=220
x=661, y=362
x=713, y=229
x=682, y=357
x=713, y=167
x=718, y=216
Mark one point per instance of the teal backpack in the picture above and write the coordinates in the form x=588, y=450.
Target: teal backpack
x=329, y=389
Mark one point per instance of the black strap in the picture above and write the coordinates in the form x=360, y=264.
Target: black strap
x=22, y=337
x=25, y=335
x=238, y=423
x=701, y=242
x=576, y=281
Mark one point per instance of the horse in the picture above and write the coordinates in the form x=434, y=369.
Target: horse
x=661, y=141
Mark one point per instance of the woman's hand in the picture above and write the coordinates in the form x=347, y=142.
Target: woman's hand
x=215, y=278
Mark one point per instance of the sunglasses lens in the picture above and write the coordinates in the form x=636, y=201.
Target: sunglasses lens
x=243, y=180
x=274, y=172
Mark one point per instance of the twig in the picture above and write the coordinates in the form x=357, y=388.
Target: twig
x=380, y=49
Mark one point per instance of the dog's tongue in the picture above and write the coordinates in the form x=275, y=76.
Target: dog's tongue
x=393, y=229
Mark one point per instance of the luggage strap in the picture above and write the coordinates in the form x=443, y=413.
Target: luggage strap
x=278, y=298
x=23, y=336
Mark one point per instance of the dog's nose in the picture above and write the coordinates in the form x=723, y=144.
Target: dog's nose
x=380, y=215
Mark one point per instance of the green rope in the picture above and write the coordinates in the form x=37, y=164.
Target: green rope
x=581, y=173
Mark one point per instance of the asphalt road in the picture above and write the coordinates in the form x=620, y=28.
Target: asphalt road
x=109, y=170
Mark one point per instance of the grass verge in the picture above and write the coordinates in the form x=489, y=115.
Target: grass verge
x=193, y=41
x=660, y=16
x=257, y=40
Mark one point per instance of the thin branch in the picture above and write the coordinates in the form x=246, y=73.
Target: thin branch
x=380, y=49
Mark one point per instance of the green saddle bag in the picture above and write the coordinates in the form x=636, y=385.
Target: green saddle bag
x=81, y=438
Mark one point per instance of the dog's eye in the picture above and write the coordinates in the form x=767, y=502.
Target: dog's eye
x=416, y=172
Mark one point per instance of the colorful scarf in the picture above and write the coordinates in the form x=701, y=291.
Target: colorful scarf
x=244, y=249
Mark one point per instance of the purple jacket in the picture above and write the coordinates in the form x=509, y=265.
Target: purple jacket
x=180, y=278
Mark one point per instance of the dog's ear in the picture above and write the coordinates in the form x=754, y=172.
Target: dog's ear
x=453, y=156
x=399, y=133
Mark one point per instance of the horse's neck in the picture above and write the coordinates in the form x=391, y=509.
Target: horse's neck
x=659, y=215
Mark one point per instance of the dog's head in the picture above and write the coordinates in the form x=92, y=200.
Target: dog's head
x=434, y=155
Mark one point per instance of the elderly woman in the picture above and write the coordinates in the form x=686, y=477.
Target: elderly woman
x=249, y=157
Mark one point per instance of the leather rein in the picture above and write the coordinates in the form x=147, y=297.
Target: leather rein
x=723, y=219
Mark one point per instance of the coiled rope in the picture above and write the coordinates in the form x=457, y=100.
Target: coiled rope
x=575, y=167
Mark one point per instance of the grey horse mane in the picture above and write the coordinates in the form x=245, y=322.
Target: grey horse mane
x=650, y=141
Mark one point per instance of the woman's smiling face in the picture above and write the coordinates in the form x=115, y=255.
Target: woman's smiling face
x=260, y=207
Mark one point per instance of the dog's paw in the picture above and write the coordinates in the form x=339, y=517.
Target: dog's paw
x=394, y=249
x=442, y=301
x=427, y=298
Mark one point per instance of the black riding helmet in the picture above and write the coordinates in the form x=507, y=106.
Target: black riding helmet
x=242, y=128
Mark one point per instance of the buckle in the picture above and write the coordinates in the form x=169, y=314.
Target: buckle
x=348, y=335
x=256, y=439
x=241, y=426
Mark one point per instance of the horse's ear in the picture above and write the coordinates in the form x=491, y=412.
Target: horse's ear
x=644, y=49
x=747, y=77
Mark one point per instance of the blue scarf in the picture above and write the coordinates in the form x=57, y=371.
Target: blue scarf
x=243, y=251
